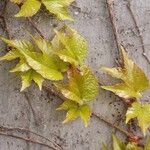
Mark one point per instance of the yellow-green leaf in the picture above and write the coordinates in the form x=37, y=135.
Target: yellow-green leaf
x=123, y=90
x=75, y=111
x=74, y=47
x=17, y=1
x=147, y=146
x=11, y=55
x=43, y=64
x=118, y=144
x=43, y=45
x=142, y=113
x=29, y=8
x=22, y=66
x=104, y=147
x=134, y=80
x=82, y=86
x=58, y=8
x=29, y=76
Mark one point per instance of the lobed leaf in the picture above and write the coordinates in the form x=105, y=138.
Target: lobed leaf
x=75, y=111
x=57, y=7
x=73, y=46
x=82, y=86
x=142, y=113
x=29, y=76
x=119, y=145
x=29, y=8
x=134, y=80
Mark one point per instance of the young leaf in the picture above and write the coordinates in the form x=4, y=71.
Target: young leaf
x=142, y=113
x=134, y=79
x=29, y=76
x=56, y=7
x=82, y=86
x=39, y=57
x=17, y=1
x=73, y=46
x=104, y=147
x=75, y=111
x=11, y=55
x=22, y=66
x=119, y=145
x=147, y=146
x=29, y=8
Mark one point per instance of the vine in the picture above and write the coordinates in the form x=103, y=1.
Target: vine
x=63, y=56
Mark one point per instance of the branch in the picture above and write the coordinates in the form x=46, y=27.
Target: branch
x=2, y=17
x=35, y=27
x=27, y=139
x=111, y=16
x=139, y=32
x=4, y=128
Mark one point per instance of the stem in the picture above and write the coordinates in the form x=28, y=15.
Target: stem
x=111, y=124
x=27, y=139
x=111, y=16
x=139, y=32
x=4, y=128
x=34, y=26
x=2, y=17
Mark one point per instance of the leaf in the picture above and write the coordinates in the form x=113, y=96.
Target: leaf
x=134, y=80
x=82, y=86
x=29, y=8
x=43, y=64
x=22, y=66
x=49, y=66
x=18, y=44
x=147, y=146
x=17, y=1
x=58, y=8
x=104, y=147
x=43, y=45
x=30, y=75
x=133, y=146
x=75, y=111
x=75, y=46
x=117, y=144
x=142, y=113
x=122, y=90
x=11, y=55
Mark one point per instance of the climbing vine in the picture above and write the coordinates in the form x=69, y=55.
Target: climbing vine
x=63, y=57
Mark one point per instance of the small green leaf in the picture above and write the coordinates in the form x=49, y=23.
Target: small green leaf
x=82, y=86
x=22, y=66
x=43, y=45
x=74, y=47
x=123, y=90
x=104, y=147
x=30, y=75
x=29, y=8
x=142, y=113
x=147, y=146
x=135, y=81
x=85, y=113
x=11, y=55
x=58, y=8
x=43, y=64
x=75, y=111
x=17, y=1
x=117, y=144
